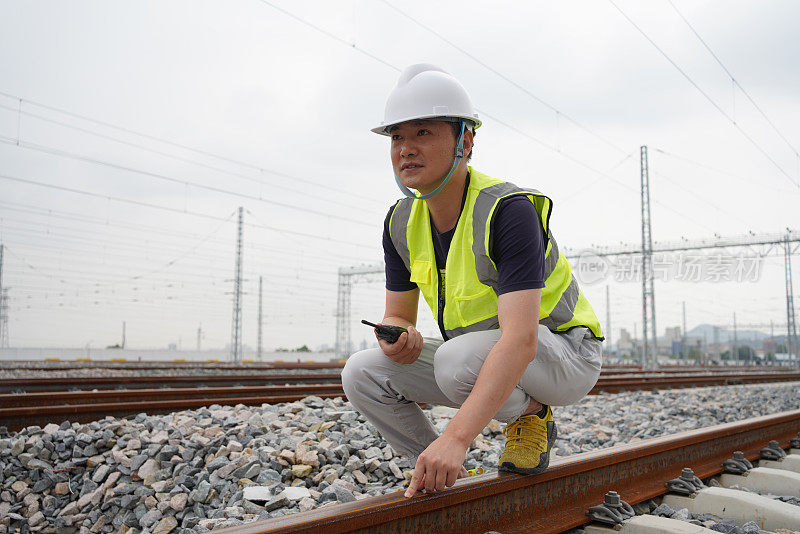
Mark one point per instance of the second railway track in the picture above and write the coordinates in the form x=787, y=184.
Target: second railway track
x=18, y=410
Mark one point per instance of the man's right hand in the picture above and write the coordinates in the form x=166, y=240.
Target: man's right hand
x=406, y=349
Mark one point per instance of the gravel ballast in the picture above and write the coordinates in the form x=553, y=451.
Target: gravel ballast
x=196, y=470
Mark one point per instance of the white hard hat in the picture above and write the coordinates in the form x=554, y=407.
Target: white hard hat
x=425, y=91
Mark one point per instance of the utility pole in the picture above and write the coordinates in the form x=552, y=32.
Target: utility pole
x=683, y=336
x=735, y=341
x=343, y=314
x=716, y=343
x=608, y=319
x=260, y=322
x=648, y=294
x=122, y=345
x=4, y=342
x=236, y=329
x=199, y=335
x=791, y=328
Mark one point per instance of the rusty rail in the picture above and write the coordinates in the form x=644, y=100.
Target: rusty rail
x=8, y=385
x=22, y=416
x=552, y=502
x=39, y=408
x=611, y=380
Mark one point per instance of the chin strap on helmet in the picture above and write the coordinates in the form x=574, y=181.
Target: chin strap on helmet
x=458, y=155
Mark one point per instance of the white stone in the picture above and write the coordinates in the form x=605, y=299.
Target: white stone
x=295, y=493
x=257, y=493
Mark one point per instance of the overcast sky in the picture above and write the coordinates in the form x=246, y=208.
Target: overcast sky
x=143, y=126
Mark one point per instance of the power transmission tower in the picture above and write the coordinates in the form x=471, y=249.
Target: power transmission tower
x=608, y=319
x=236, y=330
x=683, y=333
x=648, y=295
x=199, y=335
x=735, y=351
x=122, y=345
x=260, y=322
x=4, y=342
x=343, y=314
x=791, y=327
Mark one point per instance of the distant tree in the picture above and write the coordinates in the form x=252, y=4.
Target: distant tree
x=304, y=348
x=745, y=353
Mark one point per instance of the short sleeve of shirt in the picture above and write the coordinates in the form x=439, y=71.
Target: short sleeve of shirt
x=398, y=278
x=518, y=246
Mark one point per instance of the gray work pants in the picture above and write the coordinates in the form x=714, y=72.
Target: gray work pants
x=566, y=367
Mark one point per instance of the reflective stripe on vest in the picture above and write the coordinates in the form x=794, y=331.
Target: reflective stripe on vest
x=471, y=274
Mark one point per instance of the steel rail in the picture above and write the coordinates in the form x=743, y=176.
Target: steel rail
x=210, y=395
x=8, y=385
x=552, y=502
x=22, y=416
x=20, y=410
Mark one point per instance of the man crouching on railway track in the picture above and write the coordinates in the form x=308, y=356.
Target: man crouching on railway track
x=481, y=252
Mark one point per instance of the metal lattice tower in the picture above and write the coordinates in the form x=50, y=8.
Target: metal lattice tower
x=260, y=322
x=608, y=319
x=343, y=314
x=648, y=294
x=791, y=327
x=347, y=276
x=236, y=329
x=4, y=342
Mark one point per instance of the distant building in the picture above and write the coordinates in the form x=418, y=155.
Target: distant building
x=672, y=333
x=625, y=343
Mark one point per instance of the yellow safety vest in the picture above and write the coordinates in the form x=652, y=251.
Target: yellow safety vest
x=469, y=300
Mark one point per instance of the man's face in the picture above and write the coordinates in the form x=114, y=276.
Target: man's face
x=422, y=153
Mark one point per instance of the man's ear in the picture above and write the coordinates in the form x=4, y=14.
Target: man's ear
x=467, y=142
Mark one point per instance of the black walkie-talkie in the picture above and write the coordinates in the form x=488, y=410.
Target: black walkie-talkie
x=386, y=332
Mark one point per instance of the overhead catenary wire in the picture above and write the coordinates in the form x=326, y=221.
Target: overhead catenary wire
x=484, y=113
x=329, y=256
x=168, y=208
x=734, y=80
x=184, y=182
x=506, y=78
x=173, y=143
x=706, y=95
x=307, y=193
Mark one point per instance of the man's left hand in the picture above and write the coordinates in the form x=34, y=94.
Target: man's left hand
x=438, y=466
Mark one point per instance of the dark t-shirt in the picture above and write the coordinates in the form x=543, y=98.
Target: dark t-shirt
x=517, y=249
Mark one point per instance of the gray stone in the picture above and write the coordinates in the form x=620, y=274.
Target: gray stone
x=127, y=502
x=373, y=452
x=216, y=463
x=277, y=502
x=681, y=514
x=100, y=473
x=137, y=461
x=150, y=518
x=201, y=493
x=663, y=510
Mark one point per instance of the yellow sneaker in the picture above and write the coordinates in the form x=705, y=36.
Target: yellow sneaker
x=528, y=443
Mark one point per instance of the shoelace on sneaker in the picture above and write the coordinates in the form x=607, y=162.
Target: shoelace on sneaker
x=524, y=434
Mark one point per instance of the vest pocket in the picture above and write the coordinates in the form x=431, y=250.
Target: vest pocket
x=421, y=272
x=477, y=307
